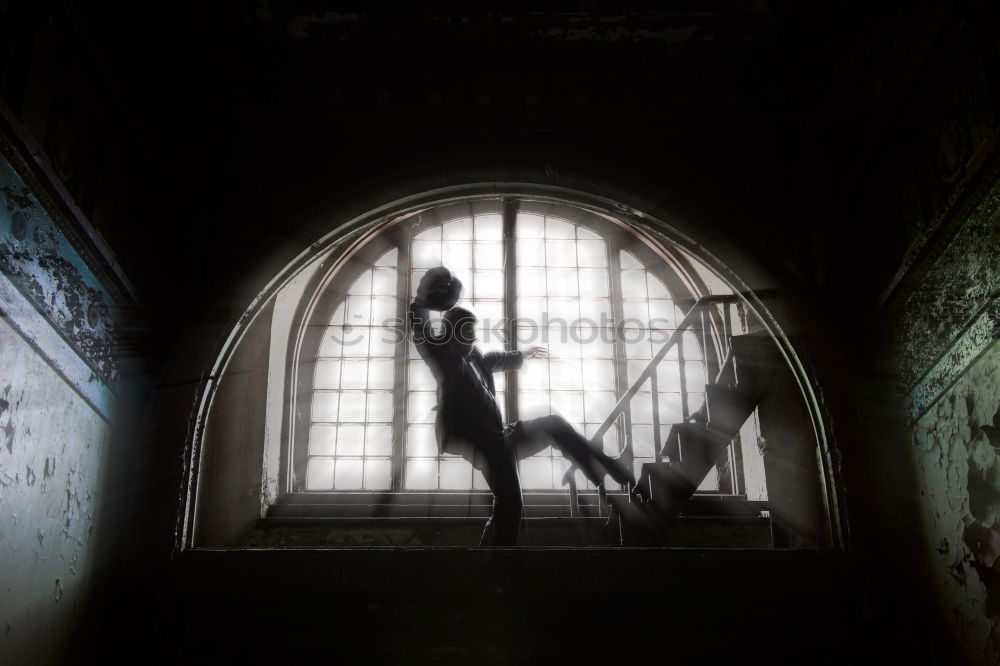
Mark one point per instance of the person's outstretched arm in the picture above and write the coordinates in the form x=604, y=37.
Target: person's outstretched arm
x=499, y=361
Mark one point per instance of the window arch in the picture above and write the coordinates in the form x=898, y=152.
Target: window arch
x=364, y=406
x=600, y=296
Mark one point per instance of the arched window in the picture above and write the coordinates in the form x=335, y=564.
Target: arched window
x=653, y=355
x=601, y=297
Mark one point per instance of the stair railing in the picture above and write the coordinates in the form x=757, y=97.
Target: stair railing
x=700, y=312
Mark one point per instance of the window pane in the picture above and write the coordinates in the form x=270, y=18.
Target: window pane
x=562, y=344
x=420, y=407
x=661, y=315
x=488, y=284
x=383, y=341
x=565, y=374
x=530, y=282
x=384, y=282
x=324, y=406
x=566, y=309
x=458, y=230
x=596, y=343
x=431, y=233
x=556, y=228
x=489, y=255
x=593, y=282
x=383, y=310
x=530, y=253
x=387, y=259
x=456, y=474
x=530, y=225
x=425, y=254
x=641, y=407
x=319, y=474
x=378, y=440
x=420, y=378
x=327, y=375
x=562, y=282
x=532, y=404
x=570, y=405
x=347, y=474
x=633, y=284
x=490, y=314
x=420, y=441
x=352, y=406
x=534, y=375
x=421, y=474
x=628, y=261
x=350, y=440
x=322, y=440
x=362, y=285
x=457, y=256
x=529, y=310
x=379, y=407
x=380, y=373
x=598, y=375
x=598, y=405
x=355, y=375
x=591, y=253
x=560, y=253
x=536, y=473
x=378, y=474
x=489, y=227
x=332, y=342
x=656, y=288
x=635, y=314
x=642, y=441
x=359, y=310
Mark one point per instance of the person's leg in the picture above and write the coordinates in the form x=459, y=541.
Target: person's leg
x=499, y=467
x=533, y=435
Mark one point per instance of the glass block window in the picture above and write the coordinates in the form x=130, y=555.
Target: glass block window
x=350, y=434
x=563, y=303
x=598, y=308
x=472, y=248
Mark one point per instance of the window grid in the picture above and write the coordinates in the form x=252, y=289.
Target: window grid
x=563, y=279
x=478, y=262
x=350, y=431
x=562, y=272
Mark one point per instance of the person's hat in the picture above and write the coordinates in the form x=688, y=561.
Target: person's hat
x=439, y=288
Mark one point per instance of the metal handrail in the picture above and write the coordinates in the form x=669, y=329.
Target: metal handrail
x=675, y=339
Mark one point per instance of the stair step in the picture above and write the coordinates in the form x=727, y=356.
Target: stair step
x=752, y=360
x=728, y=408
x=693, y=450
x=645, y=524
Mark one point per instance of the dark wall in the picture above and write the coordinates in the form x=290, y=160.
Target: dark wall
x=820, y=151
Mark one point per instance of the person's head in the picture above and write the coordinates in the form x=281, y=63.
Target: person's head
x=460, y=326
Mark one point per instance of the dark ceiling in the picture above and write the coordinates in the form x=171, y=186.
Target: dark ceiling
x=252, y=125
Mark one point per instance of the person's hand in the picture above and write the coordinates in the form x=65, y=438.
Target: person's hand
x=536, y=352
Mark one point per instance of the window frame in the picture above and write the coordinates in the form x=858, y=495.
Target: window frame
x=329, y=287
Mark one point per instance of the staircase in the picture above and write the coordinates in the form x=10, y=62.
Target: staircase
x=662, y=497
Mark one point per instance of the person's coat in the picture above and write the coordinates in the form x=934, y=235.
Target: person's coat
x=468, y=417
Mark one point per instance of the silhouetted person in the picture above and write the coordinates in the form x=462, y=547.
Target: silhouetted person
x=469, y=422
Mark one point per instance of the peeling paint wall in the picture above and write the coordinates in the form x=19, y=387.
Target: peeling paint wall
x=52, y=452
x=959, y=471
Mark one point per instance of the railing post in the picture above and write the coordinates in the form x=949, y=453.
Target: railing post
x=574, y=498
x=685, y=412
x=655, y=391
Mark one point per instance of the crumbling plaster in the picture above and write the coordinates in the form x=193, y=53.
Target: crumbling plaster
x=959, y=475
x=52, y=453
